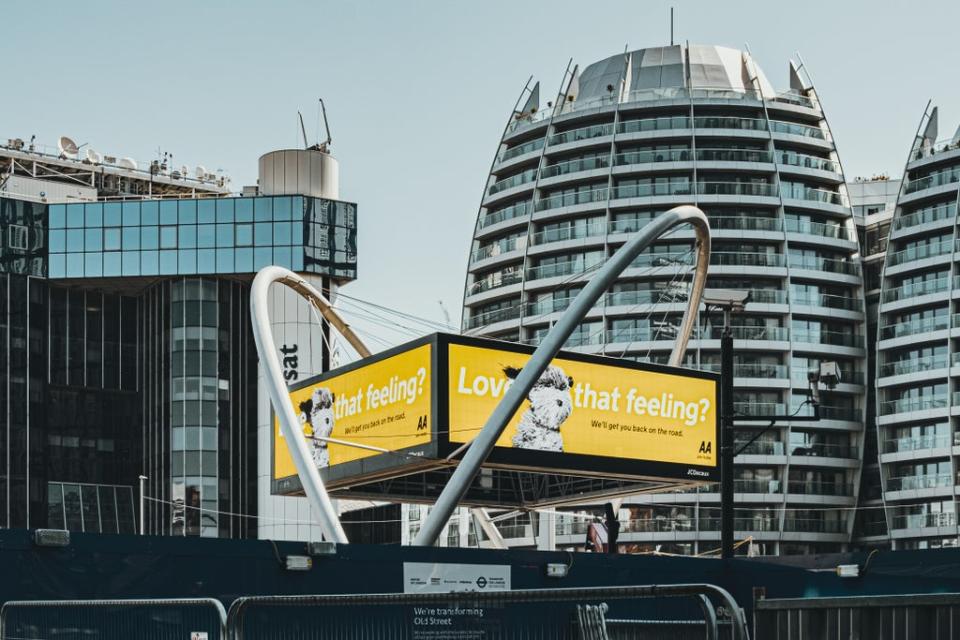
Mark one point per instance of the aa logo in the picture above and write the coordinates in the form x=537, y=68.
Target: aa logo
x=706, y=447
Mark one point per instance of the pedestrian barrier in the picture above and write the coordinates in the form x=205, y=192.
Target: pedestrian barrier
x=641, y=612
x=147, y=619
x=901, y=617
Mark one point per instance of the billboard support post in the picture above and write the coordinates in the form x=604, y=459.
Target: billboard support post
x=486, y=439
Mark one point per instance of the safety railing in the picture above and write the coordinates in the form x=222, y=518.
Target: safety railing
x=561, y=614
x=926, y=215
x=157, y=619
x=573, y=166
x=517, y=210
x=913, y=327
x=522, y=149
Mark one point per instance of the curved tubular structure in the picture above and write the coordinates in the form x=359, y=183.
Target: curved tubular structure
x=483, y=444
x=277, y=387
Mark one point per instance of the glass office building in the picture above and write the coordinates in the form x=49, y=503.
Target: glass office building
x=627, y=138
x=127, y=350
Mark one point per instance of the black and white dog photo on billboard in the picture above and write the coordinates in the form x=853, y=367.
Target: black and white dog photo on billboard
x=550, y=406
x=316, y=420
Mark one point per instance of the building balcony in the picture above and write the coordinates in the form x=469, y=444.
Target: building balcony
x=492, y=317
x=827, y=265
x=939, y=179
x=820, y=488
x=913, y=365
x=823, y=196
x=925, y=521
x=794, y=159
x=521, y=149
x=575, y=166
x=594, y=196
x=825, y=450
x=759, y=448
x=827, y=301
x=748, y=410
x=794, y=129
x=577, y=232
x=498, y=248
x=908, y=405
x=499, y=280
x=916, y=327
x=920, y=252
x=812, y=525
x=916, y=443
x=524, y=177
x=569, y=268
x=914, y=483
x=835, y=338
x=916, y=289
x=517, y=210
x=834, y=231
x=583, y=133
x=926, y=216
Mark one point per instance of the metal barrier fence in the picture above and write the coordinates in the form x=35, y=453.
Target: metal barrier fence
x=598, y=613
x=147, y=619
x=906, y=617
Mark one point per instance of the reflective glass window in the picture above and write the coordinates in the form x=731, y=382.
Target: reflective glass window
x=224, y=260
x=243, y=208
x=206, y=235
x=262, y=234
x=209, y=439
x=244, y=235
x=111, y=263
x=91, y=508
x=281, y=233
x=282, y=208
x=58, y=265
x=93, y=239
x=149, y=237
x=297, y=259
x=58, y=216
x=282, y=257
x=206, y=261
x=108, y=510
x=262, y=257
x=112, y=216
x=57, y=238
x=243, y=260
x=131, y=214
x=296, y=232
x=74, y=265
x=168, y=262
x=55, y=518
x=168, y=237
x=71, y=503
x=168, y=212
x=74, y=215
x=75, y=240
x=131, y=263
x=93, y=264
x=131, y=238
x=188, y=212
x=225, y=235
x=111, y=239
x=149, y=212
x=263, y=209
x=187, y=236
x=224, y=209
x=187, y=261
x=94, y=215
x=149, y=263
x=206, y=211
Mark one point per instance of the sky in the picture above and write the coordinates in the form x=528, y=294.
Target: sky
x=418, y=93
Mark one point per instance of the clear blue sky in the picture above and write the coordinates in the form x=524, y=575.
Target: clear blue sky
x=418, y=92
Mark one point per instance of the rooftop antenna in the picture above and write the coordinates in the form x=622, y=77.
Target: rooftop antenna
x=325, y=145
x=671, y=26
x=306, y=145
x=446, y=314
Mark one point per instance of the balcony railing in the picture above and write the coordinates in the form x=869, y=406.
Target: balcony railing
x=759, y=448
x=583, y=133
x=570, y=199
x=919, y=288
x=793, y=97
x=826, y=300
x=912, y=483
x=836, y=338
x=575, y=232
x=726, y=122
x=814, y=195
x=657, y=525
x=746, y=333
x=573, y=166
x=919, y=252
x=744, y=223
x=745, y=409
x=570, y=267
x=664, y=123
x=550, y=305
x=493, y=282
x=811, y=525
x=734, y=155
x=921, y=520
x=678, y=188
x=913, y=327
x=938, y=179
x=824, y=450
x=906, y=405
x=794, y=129
x=490, y=317
x=524, y=177
x=658, y=155
x=739, y=524
x=830, y=265
x=521, y=149
x=913, y=365
x=794, y=159
x=819, y=488
x=499, y=247
x=743, y=485
x=507, y=213
x=941, y=146
x=644, y=296
x=836, y=230
x=926, y=215
x=737, y=189
x=916, y=443
x=746, y=259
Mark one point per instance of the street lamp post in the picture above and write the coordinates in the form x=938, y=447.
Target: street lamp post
x=143, y=526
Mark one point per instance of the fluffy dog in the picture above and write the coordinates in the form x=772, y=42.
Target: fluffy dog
x=316, y=417
x=550, y=406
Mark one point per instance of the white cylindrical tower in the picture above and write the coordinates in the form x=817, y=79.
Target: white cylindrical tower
x=307, y=172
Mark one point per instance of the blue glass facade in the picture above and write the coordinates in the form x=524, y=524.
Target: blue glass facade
x=202, y=236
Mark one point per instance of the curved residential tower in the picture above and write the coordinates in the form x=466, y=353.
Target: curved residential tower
x=625, y=139
x=918, y=360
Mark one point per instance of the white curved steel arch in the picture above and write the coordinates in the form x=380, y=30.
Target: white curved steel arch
x=277, y=386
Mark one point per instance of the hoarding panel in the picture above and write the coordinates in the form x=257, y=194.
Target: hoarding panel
x=385, y=404
x=587, y=408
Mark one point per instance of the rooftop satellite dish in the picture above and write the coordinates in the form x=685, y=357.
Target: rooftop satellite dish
x=128, y=163
x=93, y=157
x=200, y=172
x=68, y=147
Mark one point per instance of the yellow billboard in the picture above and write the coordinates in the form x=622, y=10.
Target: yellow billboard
x=360, y=413
x=586, y=408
